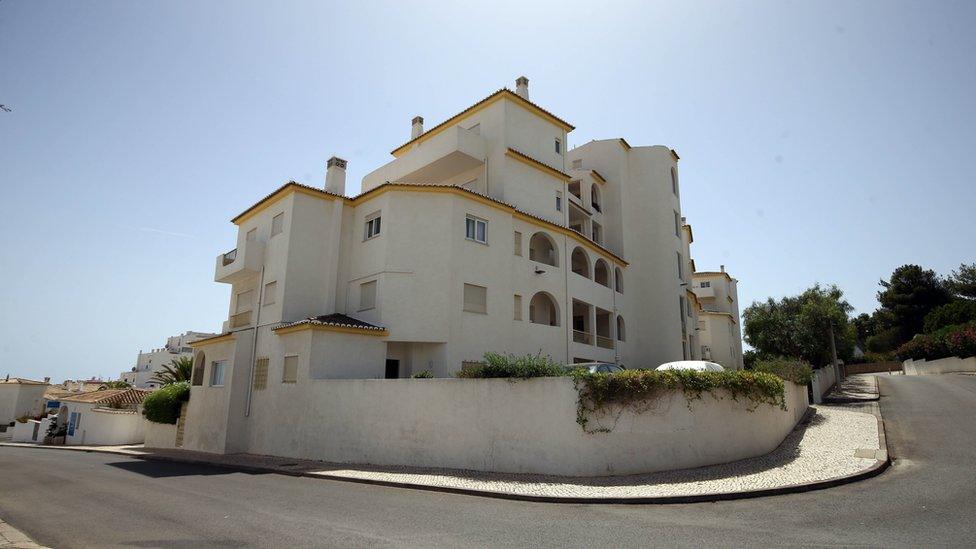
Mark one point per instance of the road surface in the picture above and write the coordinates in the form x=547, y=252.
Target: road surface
x=928, y=497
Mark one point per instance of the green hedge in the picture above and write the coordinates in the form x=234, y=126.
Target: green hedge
x=957, y=341
x=425, y=374
x=796, y=370
x=163, y=405
x=635, y=387
x=511, y=366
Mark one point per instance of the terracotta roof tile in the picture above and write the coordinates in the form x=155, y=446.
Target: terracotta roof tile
x=110, y=396
x=335, y=319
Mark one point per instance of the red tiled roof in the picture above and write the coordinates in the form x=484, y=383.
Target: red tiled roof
x=337, y=320
x=109, y=396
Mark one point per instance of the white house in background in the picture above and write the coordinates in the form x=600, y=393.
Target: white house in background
x=107, y=417
x=20, y=397
x=719, y=330
x=152, y=361
x=484, y=233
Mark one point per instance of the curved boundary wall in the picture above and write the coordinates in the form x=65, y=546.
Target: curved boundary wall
x=941, y=366
x=526, y=426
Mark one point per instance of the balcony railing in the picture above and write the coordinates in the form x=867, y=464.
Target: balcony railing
x=604, y=341
x=583, y=337
x=240, y=320
x=229, y=257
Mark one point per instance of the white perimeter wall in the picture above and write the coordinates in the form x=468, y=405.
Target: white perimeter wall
x=159, y=435
x=527, y=426
x=98, y=428
x=823, y=380
x=940, y=366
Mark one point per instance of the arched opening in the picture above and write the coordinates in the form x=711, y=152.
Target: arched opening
x=621, y=329
x=542, y=248
x=595, y=197
x=543, y=310
x=618, y=277
x=601, y=273
x=581, y=263
x=199, y=364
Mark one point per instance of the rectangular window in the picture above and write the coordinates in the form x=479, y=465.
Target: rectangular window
x=217, y=373
x=261, y=374
x=476, y=229
x=289, y=373
x=559, y=201
x=677, y=224
x=244, y=301
x=680, y=269
x=475, y=299
x=518, y=243
x=559, y=146
x=372, y=226
x=277, y=224
x=270, y=290
x=705, y=284
x=367, y=295
x=518, y=307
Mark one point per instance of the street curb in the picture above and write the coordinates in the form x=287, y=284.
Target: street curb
x=879, y=467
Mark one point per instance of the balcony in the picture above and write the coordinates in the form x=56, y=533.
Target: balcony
x=440, y=157
x=240, y=320
x=238, y=264
x=703, y=293
x=604, y=342
x=580, y=336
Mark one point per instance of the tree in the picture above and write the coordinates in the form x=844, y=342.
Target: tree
x=178, y=369
x=117, y=384
x=959, y=311
x=962, y=283
x=909, y=295
x=799, y=326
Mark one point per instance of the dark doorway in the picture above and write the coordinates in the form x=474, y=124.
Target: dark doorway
x=392, y=368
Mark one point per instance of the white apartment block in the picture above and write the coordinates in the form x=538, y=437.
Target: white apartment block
x=152, y=361
x=484, y=233
x=719, y=330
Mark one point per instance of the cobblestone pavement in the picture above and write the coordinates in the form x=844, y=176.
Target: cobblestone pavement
x=11, y=537
x=835, y=442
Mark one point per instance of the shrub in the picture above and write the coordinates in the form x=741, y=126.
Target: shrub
x=511, y=366
x=796, y=370
x=426, y=374
x=961, y=311
x=949, y=341
x=633, y=388
x=163, y=405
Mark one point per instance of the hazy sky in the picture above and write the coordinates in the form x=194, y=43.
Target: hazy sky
x=819, y=141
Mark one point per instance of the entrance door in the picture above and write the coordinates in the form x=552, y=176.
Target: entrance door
x=392, y=368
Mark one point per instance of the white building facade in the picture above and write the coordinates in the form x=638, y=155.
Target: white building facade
x=720, y=331
x=482, y=234
x=150, y=362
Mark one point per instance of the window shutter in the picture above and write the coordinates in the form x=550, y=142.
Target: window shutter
x=475, y=298
x=518, y=243
x=289, y=373
x=277, y=224
x=367, y=295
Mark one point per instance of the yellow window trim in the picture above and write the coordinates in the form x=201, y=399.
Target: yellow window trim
x=532, y=162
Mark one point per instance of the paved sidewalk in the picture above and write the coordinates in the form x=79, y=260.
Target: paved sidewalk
x=834, y=444
x=855, y=388
x=11, y=537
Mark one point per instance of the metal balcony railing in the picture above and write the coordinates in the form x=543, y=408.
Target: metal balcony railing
x=229, y=257
x=604, y=342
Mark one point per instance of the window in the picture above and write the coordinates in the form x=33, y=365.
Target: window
x=217, y=373
x=543, y=310
x=574, y=188
x=674, y=181
x=251, y=235
x=621, y=329
x=677, y=224
x=597, y=233
x=277, y=224
x=518, y=243
x=244, y=300
x=559, y=146
x=372, y=226
x=578, y=164
x=518, y=307
x=475, y=299
x=270, y=289
x=367, y=295
x=559, y=201
x=595, y=197
x=618, y=279
x=476, y=229
x=289, y=373
x=680, y=270
x=261, y=374
x=706, y=285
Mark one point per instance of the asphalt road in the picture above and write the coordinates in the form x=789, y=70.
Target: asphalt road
x=927, y=498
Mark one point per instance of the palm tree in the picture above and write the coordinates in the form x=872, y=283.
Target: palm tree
x=178, y=369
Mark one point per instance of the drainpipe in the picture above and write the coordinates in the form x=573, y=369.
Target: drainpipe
x=254, y=345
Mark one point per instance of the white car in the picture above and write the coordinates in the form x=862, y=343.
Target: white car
x=697, y=365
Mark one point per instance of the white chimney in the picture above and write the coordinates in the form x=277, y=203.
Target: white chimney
x=522, y=87
x=417, y=127
x=723, y=268
x=335, y=176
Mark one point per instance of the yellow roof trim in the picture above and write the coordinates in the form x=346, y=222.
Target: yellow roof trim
x=529, y=161
x=281, y=193
x=503, y=93
x=212, y=340
x=327, y=328
x=596, y=175
x=711, y=273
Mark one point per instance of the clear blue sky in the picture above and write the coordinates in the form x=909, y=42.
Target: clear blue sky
x=819, y=141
